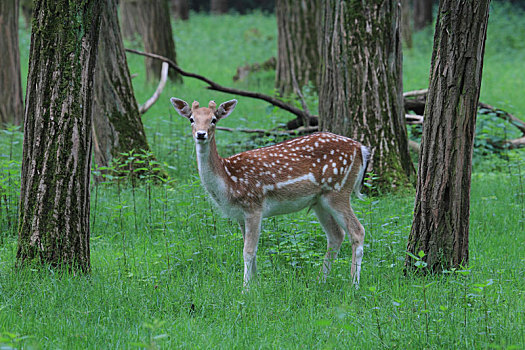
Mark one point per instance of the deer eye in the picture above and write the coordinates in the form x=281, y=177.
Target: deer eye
x=192, y=120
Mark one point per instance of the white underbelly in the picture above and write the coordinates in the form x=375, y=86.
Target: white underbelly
x=272, y=207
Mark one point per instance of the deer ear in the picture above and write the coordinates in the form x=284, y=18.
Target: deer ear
x=181, y=107
x=225, y=109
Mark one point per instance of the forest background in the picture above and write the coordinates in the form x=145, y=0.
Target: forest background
x=167, y=268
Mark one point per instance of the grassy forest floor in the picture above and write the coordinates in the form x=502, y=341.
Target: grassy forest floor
x=167, y=268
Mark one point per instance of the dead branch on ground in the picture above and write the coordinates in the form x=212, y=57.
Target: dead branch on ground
x=415, y=102
x=242, y=72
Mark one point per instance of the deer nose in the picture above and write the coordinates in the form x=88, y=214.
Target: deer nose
x=201, y=135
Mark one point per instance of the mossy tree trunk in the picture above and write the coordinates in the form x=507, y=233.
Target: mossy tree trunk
x=441, y=217
x=11, y=105
x=54, y=201
x=361, y=86
x=298, y=54
x=117, y=124
x=151, y=19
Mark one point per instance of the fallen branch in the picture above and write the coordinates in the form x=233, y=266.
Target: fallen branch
x=416, y=93
x=518, y=123
x=162, y=83
x=414, y=119
x=217, y=87
x=415, y=101
x=243, y=71
x=515, y=143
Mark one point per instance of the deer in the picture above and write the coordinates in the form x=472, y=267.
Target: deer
x=318, y=171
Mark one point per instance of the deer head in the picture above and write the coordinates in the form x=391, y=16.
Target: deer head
x=203, y=119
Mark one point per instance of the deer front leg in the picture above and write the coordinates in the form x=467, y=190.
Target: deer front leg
x=252, y=230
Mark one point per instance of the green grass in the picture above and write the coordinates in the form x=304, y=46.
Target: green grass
x=181, y=270
x=167, y=268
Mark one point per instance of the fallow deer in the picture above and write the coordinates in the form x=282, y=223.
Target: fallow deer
x=318, y=171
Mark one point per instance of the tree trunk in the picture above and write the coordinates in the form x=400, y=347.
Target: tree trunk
x=406, y=22
x=130, y=19
x=361, y=85
x=218, y=7
x=54, y=200
x=180, y=9
x=151, y=18
x=117, y=127
x=298, y=55
x=11, y=105
x=441, y=216
x=422, y=13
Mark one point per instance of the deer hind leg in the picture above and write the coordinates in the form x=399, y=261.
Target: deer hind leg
x=251, y=233
x=338, y=204
x=334, y=238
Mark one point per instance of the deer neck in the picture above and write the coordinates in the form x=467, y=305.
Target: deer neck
x=211, y=169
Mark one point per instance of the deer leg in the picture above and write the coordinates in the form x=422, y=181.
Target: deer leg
x=334, y=239
x=339, y=206
x=252, y=230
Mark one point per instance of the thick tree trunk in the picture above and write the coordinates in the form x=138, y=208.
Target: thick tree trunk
x=298, y=54
x=54, y=201
x=117, y=127
x=130, y=19
x=180, y=9
x=441, y=216
x=11, y=106
x=422, y=13
x=218, y=7
x=361, y=85
x=151, y=19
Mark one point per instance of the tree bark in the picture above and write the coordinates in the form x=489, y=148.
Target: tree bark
x=180, y=9
x=54, y=200
x=422, y=13
x=441, y=217
x=406, y=22
x=218, y=7
x=117, y=126
x=11, y=105
x=151, y=19
x=361, y=85
x=298, y=54
x=130, y=19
